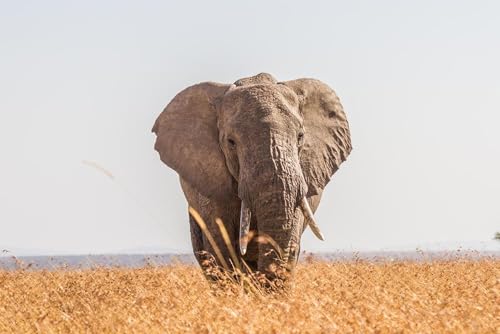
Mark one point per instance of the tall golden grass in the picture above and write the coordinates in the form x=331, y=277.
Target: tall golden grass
x=455, y=296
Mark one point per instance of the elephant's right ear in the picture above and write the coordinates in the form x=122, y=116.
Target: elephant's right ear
x=188, y=141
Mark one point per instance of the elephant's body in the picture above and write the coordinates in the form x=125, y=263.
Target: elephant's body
x=256, y=154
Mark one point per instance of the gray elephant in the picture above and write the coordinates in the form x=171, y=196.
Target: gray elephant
x=257, y=154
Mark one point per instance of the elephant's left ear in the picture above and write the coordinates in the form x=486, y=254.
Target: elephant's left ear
x=327, y=137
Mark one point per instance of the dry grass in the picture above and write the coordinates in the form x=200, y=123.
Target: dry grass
x=352, y=297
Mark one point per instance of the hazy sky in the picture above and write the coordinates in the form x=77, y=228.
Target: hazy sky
x=84, y=81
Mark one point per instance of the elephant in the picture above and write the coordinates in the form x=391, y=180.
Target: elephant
x=256, y=155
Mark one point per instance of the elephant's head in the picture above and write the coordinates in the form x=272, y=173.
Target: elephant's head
x=271, y=145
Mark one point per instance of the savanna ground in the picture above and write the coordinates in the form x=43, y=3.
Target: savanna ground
x=446, y=296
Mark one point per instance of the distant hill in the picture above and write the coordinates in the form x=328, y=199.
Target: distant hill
x=142, y=260
x=11, y=258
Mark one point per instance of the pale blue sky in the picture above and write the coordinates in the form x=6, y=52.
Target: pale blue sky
x=419, y=80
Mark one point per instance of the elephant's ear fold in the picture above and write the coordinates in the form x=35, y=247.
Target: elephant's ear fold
x=187, y=139
x=327, y=138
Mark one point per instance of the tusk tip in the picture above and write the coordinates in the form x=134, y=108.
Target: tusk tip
x=318, y=234
x=243, y=250
x=315, y=230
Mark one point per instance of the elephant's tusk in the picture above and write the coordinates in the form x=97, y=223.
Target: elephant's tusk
x=309, y=218
x=245, y=217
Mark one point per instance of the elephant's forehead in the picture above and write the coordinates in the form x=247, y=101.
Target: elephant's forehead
x=261, y=100
x=259, y=121
x=260, y=94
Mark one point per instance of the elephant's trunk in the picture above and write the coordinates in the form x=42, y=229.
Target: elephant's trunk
x=272, y=189
x=277, y=208
x=279, y=230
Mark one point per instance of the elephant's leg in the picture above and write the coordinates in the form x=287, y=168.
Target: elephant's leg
x=196, y=239
x=204, y=253
x=204, y=258
x=209, y=210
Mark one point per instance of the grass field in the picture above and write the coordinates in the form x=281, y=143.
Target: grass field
x=459, y=296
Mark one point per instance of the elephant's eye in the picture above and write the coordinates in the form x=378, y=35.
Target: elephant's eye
x=231, y=142
x=300, y=138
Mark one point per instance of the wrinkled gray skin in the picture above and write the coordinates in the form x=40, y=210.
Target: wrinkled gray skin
x=260, y=141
